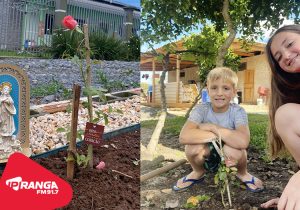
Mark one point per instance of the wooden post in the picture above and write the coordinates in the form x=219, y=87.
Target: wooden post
x=153, y=80
x=162, y=170
x=72, y=140
x=178, y=77
x=88, y=85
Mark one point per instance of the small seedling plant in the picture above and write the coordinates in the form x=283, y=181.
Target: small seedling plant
x=81, y=159
x=224, y=176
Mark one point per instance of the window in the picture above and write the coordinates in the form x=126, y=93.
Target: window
x=49, y=24
x=182, y=74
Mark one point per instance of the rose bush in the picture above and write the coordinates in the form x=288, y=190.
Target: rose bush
x=69, y=22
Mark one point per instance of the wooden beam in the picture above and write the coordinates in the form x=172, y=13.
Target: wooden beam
x=153, y=80
x=177, y=77
x=146, y=60
x=162, y=170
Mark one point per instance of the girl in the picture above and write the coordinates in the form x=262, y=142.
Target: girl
x=283, y=51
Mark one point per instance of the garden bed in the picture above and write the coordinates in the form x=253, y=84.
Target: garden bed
x=106, y=189
x=156, y=193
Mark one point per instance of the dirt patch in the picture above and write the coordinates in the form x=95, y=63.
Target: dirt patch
x=156, y=193
x=106, y=189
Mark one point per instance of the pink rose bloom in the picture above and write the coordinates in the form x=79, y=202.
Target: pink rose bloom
x=69, y=22
x=101, y=165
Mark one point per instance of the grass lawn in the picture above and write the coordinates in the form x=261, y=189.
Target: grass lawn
x=258, y=124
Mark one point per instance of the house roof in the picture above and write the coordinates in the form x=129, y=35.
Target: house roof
x=189, y=61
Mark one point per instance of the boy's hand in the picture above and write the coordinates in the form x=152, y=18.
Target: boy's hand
x=210, y=127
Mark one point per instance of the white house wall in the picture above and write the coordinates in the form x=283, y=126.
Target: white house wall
x=190, y=74
x=262, y=73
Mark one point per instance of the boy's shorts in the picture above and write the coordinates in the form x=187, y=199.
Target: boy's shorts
x=212, y=162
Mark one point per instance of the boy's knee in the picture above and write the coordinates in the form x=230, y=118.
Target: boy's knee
x=233, y=153
x=195, y=150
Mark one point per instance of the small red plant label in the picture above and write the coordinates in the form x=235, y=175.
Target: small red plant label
x=93, y=133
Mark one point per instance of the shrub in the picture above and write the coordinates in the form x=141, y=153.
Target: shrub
x=133, y=52
x=105, y=47
x=66, y=44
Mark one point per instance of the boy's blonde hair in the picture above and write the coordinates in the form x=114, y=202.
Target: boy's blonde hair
x=223, y=73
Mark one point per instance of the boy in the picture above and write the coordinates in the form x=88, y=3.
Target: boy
x=204, y=123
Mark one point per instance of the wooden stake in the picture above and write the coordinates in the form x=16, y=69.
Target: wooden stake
x=162, y=170
x=74, y=122
x=88, y=85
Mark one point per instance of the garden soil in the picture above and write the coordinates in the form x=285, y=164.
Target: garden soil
x=156, y=193
x=105, y=189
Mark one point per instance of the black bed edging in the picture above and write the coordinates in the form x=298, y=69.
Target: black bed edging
x=106, y=136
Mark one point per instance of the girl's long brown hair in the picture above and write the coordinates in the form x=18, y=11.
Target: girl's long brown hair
x=285, y=88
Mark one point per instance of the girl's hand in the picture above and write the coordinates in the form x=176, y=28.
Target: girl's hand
x=290, y=198
x=270, y=204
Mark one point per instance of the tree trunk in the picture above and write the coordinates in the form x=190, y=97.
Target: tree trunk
x=163, y=99
x=232, y=33
x=199, y=96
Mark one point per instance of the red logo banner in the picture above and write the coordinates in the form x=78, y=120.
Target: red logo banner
x=27, y=185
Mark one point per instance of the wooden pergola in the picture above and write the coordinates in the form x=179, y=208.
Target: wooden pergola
x=177, y=62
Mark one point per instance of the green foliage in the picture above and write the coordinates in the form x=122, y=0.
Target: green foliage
x=91, y=91
x=133, y=49
x=82, y=160
x=224, y=177
x=163, y=20
x=105, y=47
x=66, y=43
x=53, y=87
x=205, y=47
x=103, y=115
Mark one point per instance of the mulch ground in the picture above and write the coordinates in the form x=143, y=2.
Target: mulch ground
x=105, y=189
x=156, y=192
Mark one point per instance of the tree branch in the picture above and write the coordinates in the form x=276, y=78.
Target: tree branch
x=232, y=33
